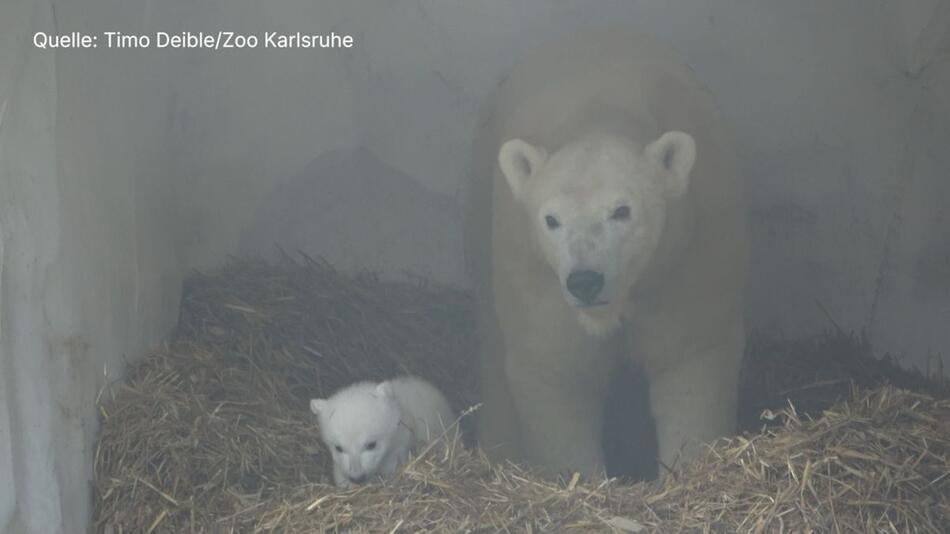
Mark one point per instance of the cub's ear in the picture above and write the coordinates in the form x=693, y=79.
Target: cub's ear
x=318, y=405
x=384, y=390
x=519, y=161
x=675, y=152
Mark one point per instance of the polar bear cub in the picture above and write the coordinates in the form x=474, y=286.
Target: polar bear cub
x=371, y=427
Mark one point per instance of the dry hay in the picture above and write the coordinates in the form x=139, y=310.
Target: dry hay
x=879, y=462
x=212, y=433
x=815, y=372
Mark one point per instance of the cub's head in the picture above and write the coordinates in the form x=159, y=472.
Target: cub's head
x=358, y=425
x=597, y=208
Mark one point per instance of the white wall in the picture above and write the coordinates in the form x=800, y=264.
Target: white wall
x=89, y=274
x=119, y=170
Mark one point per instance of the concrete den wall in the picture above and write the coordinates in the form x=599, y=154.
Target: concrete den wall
x=89, y=275
x=122, y=169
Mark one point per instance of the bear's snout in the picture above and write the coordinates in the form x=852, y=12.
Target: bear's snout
x=585, y=285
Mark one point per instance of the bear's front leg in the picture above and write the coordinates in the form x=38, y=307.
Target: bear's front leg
x=694, y=397
x=560, y=407
x=499, y=433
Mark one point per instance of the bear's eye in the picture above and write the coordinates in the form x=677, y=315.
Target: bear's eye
x=371, y=445
x=621, y=214
x=551, y=222
x=338, y=448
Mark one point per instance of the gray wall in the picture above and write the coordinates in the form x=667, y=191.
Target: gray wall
x=121, y=170
x=89, y=272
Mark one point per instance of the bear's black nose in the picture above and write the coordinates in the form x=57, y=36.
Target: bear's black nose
x=358, y=480
x=585, y=285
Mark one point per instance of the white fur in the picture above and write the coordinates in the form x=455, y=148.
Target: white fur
x=587, y=237
x=582, y=127
x=371, y=428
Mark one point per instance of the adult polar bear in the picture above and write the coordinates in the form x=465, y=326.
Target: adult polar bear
x=613, y=225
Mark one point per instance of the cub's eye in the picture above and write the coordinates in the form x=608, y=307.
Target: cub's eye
x=551, y=222
x=338, y=448
x=371, y=445
x=621, y=214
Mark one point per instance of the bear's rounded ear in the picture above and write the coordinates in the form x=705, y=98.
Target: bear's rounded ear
x=317, y=405
x=519, y=161
x=675, y=152
x=384, y=390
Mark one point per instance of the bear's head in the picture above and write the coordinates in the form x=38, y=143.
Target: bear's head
x=598, y=207
x=359, y=426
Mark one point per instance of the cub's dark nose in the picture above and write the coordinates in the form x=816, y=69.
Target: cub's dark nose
x=585, y=285
x=358, y=480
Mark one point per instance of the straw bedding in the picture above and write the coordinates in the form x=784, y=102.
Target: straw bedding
x=212, y=432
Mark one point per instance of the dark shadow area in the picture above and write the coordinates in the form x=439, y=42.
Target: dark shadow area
x=629, y=435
